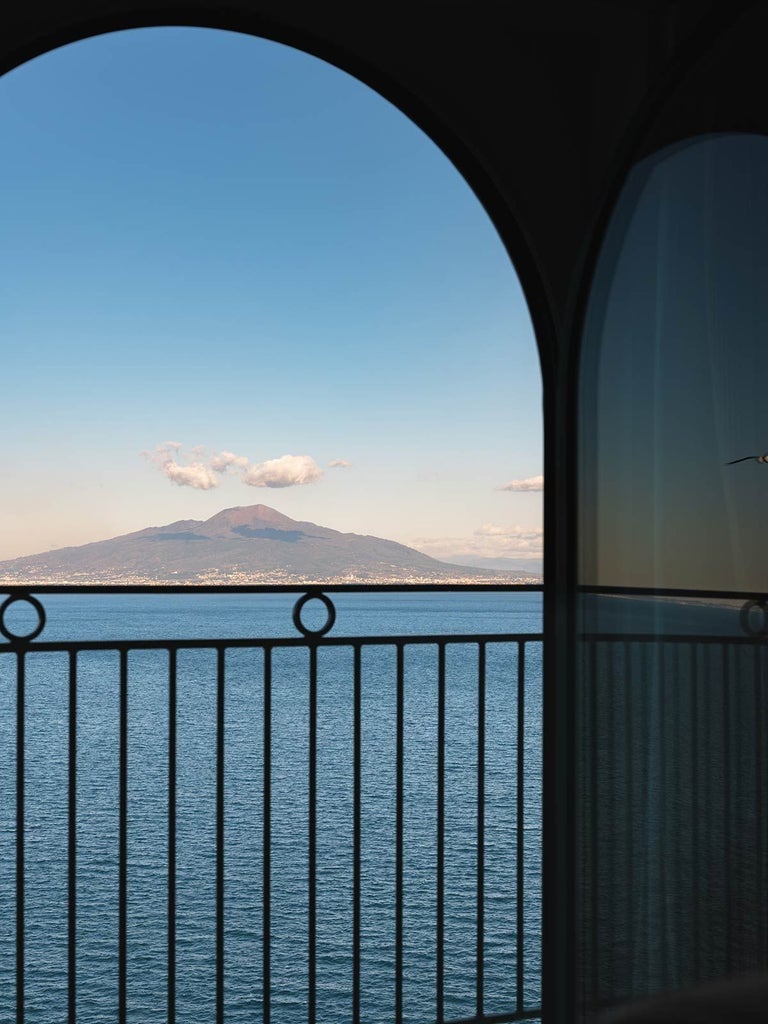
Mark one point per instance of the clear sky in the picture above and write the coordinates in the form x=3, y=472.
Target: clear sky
x=221, y=242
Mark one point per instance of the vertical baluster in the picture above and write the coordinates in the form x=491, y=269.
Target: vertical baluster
x=726, y=822
x=172, y=702
x=439, y=959
x=659, y=725
x=647, y=887
x=122, y=926
x=480, y=935
x=220, y=678
x=520, y=845
x=399, y=779
x=356, y=834
x=266, y=838
x=708, y=834
x=611, y=800
x=20, y=697
x=759, y=795
x=694, y=784
x=72, y=845
x=312, y=937
x=590, y=769
x=680, y=816
x=629, y=859
x=610, y=804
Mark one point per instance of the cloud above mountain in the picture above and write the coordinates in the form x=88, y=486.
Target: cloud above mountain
x=222, y=462
x=191, y=472
x=203, y=470
x=195, y=474
x=488, y=541
x=531, y=483
x=287, y=471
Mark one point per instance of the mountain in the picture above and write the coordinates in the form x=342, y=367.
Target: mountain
x=251, y=544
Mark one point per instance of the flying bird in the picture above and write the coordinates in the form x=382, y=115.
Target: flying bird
x=749, y=458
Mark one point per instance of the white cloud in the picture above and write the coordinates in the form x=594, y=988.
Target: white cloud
x=531, y=483
x=203, y=471
x=339, y=464
x=184, y=474
x=286, y=471
x=194, y=475
x=221, y=462
x=488, y=541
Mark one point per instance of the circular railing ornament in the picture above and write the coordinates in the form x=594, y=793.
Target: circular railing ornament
x=301, y=604
x=747, y=618
x=35, y=631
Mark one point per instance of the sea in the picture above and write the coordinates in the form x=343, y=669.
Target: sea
x=141, y=617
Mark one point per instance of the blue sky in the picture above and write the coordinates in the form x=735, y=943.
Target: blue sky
x=222, y=242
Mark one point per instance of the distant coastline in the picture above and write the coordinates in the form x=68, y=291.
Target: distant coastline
x=267, y=579
x=246, y=546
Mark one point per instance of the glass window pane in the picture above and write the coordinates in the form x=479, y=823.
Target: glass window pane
x=673, y=390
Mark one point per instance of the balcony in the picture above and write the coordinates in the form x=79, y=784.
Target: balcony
x=279, y=804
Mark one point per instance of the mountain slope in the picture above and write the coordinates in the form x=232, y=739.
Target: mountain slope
x=250, y=544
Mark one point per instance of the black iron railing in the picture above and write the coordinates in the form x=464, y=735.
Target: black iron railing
x=461, y=756
x=673, y=735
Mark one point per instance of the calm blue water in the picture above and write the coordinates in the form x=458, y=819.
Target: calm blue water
x=214, y=616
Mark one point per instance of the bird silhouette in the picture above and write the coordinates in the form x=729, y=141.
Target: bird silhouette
x=749, y=458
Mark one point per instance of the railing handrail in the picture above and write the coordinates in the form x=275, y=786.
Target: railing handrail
x=20, y=589
x=674, y=638
x=615, y=591
x=197, y=643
